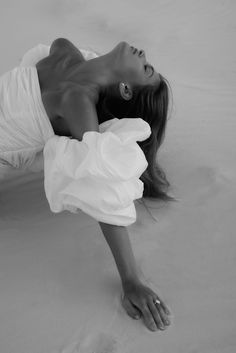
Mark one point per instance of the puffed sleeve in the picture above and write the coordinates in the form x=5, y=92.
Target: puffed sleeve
x=34, y=54
x=100, y=174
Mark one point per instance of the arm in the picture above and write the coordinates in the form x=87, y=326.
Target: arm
x=136, y=294
x=79, y=110
x=118, y=240
x=77, y=103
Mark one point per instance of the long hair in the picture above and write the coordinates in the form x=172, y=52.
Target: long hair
x=151, y=104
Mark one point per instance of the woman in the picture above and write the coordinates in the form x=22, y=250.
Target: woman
x=78, y=95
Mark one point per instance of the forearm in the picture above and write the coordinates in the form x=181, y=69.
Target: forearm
x=118, y=240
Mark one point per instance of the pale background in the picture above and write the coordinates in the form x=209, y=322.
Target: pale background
x=59, y=286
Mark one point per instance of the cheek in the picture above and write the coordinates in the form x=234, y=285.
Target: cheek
x=132, y=68
x=134, y=71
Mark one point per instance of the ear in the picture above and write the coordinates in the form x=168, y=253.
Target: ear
x=125, y=91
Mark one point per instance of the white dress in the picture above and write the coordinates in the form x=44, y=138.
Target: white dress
x=98, y=175
x=24, y=124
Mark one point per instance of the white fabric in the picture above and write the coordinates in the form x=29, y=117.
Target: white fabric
x=35, y=54
x=24, y=124
x=30, y=58
x=100, y=174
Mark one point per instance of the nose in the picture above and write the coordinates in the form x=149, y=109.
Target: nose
x=141, y=53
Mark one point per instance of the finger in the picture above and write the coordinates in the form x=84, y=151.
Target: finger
x=154, y=310
x=130, y=309
x=148, y=318
x=165, y=318
x=165, y=308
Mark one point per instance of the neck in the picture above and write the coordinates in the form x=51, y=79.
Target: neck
x=97, y=72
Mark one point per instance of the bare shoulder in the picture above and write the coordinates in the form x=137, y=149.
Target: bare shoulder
x=63, y=45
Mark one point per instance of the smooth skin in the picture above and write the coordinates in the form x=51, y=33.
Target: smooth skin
x=138, y=296
x=124, y=65
x=70, y=88
x=138, y=299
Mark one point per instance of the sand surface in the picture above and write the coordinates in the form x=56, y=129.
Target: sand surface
x=59, y=286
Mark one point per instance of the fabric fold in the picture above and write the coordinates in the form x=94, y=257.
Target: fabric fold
x=30, y=59
x=24, y=124
x=100, y=174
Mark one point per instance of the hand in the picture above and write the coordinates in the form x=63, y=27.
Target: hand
x=139, y=299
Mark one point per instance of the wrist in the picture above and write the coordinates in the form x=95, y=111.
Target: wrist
x=130, y=281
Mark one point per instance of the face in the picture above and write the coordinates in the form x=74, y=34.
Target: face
x=132, y=65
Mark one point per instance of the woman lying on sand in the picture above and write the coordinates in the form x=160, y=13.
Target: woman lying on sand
x=77, y=96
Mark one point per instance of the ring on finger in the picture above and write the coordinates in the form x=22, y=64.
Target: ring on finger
x=156, y=301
